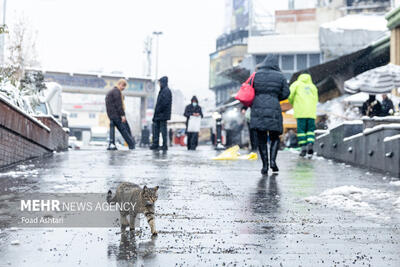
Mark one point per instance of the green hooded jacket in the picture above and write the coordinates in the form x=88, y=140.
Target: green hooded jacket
x=304, y=97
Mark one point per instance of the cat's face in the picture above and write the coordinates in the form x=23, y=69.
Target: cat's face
x=150, y=195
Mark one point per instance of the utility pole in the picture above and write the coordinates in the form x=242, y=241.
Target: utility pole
x=157, y=34
x=148, y=51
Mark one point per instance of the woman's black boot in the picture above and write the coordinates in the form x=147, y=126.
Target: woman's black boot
x=273, y=154
x=263, y=149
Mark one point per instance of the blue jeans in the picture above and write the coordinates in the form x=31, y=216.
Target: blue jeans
x=123, y=128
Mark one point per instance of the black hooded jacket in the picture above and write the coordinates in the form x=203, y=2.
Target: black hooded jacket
x=371, y=107
x=190, y=110
x=114, y=107
x=271, y=87
x=162, y=111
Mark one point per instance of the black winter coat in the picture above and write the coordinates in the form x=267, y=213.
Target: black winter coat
x=387, y=105
x=190, y=110
x=162, y=111
x=114, y=105
x=371, y=108
x=270, y=87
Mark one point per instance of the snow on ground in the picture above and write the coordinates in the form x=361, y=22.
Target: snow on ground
x=397, y=203
x=396, y=183
x=22, y=170
x=361, y=201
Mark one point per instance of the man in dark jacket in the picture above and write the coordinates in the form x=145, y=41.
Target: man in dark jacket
x=193, y=109
x=162, y=113
x=387, y=106
x=270, y=86
x=371, y=107
x=116, y=114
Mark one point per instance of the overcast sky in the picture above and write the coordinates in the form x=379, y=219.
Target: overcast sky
x=79, y=35
x=108, y=35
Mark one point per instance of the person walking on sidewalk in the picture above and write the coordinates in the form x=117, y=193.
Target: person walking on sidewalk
x=162, y=113
x=193, y=109
x=304, y=99
x=116, y=114
x=270, y=88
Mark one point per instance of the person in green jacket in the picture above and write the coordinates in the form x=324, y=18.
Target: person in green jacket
x=304, y=99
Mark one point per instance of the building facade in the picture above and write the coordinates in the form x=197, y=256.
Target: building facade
x=289, y=29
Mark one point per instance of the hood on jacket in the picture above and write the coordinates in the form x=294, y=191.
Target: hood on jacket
x=305, y=78
x=194, y=99
x=270, y=62
x=371, y=98
x=163, y=82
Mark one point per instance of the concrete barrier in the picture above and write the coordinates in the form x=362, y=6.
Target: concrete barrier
x=352, y=149
x=392, y=154
x=330, y=145
x=376, y=148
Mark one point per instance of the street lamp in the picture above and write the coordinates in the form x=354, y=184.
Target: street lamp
x=157, y=34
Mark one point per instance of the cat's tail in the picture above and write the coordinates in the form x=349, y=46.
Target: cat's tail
x=110, y=198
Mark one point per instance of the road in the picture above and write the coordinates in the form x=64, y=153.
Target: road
x=212, y=213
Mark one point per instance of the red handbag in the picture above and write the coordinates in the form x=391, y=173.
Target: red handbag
x=246, y=93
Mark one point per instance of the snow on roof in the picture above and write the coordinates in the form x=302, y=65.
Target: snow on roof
x=358, y=22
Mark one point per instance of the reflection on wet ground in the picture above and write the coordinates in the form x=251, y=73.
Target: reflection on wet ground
x=211, y=212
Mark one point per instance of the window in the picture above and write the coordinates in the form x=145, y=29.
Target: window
x=287, y=62
x=301, y=62
x=314, y=59
x=92, y=115
x=73, y=115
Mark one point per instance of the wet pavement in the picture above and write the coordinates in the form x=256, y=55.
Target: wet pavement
x=212, y=213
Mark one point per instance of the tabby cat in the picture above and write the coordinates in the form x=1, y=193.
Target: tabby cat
x=141, y=200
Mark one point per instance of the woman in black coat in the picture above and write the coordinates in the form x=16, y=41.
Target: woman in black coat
x=193, y=109
x=270, y=88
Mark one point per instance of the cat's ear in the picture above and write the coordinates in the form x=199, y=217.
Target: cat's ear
x=156, y=188
x=144, y=188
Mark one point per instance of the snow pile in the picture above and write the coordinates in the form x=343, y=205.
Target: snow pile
x=360, y=201
x=395, y=183
x=397, y=203
x=22, y=171
x=15, y=97
x=338, y=111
